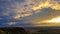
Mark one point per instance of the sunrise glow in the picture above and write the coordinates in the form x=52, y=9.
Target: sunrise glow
x=53, y=20
x=57, y=20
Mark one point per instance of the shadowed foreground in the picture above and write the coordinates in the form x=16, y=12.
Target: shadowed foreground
x=44, y=30
x=30, y=30
x=12, y=30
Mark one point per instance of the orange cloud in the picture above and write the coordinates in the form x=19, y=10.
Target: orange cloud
x=48, y=3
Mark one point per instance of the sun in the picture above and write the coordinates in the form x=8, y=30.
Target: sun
x=56, y=20
x=53, y=20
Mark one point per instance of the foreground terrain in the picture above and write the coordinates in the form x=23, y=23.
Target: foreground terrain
x=30, y=30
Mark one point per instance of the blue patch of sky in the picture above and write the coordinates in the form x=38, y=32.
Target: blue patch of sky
x=17, y=0
x=20, y=0
x=3, y=8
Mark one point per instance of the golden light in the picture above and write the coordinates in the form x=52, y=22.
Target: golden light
x=53, y=20
x=56, y=20
x=17, y=16
x=48, y=3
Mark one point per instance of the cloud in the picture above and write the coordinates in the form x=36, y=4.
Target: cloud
x=31, y=11
x=44, y=9
x=28, y=7
x=45, y=15
x=11, y=23
x=48, y=3
x=16, y=8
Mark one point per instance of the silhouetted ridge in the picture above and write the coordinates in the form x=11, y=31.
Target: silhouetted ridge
x=12, y=30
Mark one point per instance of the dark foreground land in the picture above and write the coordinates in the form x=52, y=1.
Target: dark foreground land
x=12, y=30
x=44, y=30
x=30, y=30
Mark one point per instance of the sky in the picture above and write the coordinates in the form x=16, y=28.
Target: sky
x=26, y=13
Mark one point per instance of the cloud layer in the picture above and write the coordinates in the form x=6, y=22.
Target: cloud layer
x=29, y=11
